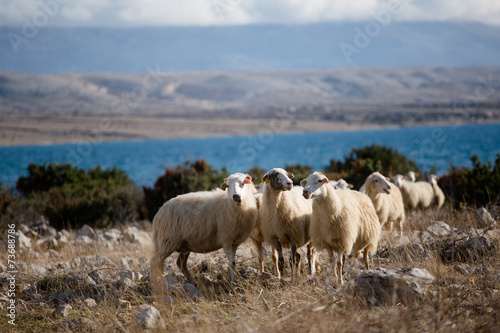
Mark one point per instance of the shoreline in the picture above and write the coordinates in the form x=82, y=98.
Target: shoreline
x=53, y=130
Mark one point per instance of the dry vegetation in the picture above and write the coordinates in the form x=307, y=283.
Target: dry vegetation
x=457, y=300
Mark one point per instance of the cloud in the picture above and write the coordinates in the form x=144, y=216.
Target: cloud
x=230, y=12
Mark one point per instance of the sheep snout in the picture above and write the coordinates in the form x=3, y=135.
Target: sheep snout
x=237, y=199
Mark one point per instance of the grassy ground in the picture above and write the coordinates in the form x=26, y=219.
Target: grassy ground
x=457, y=300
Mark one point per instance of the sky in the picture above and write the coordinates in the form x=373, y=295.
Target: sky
x=135, y=13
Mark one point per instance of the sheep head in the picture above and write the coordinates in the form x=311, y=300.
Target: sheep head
x=434, y=180
x=379, y=183
x=312, y=185
x=278, y=179
x=238, y=187
x=398, y=180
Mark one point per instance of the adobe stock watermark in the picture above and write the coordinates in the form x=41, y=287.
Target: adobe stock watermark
x=128, y=102
x=484, y=91
x=11, y=274
x=255, y=144
x=223, y=7
x=372, y=29
x=47, y=10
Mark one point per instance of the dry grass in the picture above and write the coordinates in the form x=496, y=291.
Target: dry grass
x=455, y=301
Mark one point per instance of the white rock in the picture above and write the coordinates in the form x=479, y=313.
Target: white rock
x=22, y=241
x=86, y=230
x=149, y=317
x=82, y=239
x=134, y=235
x=62, y=311
x=439, y=229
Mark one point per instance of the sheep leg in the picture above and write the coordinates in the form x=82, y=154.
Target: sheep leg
x=231, y=256
x=260, y=255
x=340, y=260
x=279, y=262
x=182, y=264
x=156, y=265
x=311, y=259
x=400, y=226
x=365, y=257
x=295, y=261
x=332, y=263
x=389, y=225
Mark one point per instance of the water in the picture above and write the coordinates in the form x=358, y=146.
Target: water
x=145, y=160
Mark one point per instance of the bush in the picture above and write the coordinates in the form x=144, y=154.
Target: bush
x=478, y=186
x=197, y=176
x=299, y=172
x=361, y=162
x=70, y=196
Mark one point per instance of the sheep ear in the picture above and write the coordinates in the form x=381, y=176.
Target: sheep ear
x=387, y=178
x=223, y=186
x=350, y=185
x=325, y=180
x=290, y=175
x=303, y=182
x=265, y=178
x=247, y=180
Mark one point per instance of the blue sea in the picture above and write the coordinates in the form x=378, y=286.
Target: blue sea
x=145, y=160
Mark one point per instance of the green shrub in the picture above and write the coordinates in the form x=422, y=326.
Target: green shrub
x=478, y=186
x=299, y=172
x=361, y=162
x=190, y=177
x=73, y=197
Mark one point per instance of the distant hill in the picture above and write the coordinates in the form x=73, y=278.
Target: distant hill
x=251, y=47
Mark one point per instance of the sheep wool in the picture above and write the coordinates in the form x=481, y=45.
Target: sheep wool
x=284, y=219
x=203, y=222
x=438, y=193
x=341, y=221
x=387, y=200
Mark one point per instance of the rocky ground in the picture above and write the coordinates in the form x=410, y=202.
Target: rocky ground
x=443, y=274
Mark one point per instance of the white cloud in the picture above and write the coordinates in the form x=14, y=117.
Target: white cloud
x=227, y=12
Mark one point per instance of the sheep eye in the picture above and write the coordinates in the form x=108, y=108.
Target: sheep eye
x=376, y=180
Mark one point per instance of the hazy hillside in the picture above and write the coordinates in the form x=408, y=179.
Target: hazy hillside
x=66, y=107
x=259, y=47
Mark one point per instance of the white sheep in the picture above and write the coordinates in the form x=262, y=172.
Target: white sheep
x=412, y=176
x=203, y=222
x=415, y=195
x=341, y=221
x=341, y=184
x=438, y=193
x=284, y=220
x=387, y=200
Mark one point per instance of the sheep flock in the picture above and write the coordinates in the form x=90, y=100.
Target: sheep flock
x=321, y=214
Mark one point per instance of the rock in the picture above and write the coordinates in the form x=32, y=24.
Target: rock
x=62, y=239
x=128, y=263
x=36, y=269
x=125, y=283
x=90, y=302
x=47, y=243
x=122, y=304
x=22, y=242
x=100, y=277
x=166, y=299
x=113, y=235
x=30, y=292
x=78, y=324
x=94, y=292
x=134, y=235
x=61, y=296
x=464, y=269
x=384, y=286
x=86, y=230
x=43, y=228
x=439, y=229
x=82, y=239
x=485, y=220
x=471, y=249
x=191, y=291
x=149, y=317
x=3, y=268
x=62, y=310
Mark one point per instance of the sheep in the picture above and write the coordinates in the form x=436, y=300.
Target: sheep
x=341, y=184
x=341, y=221
x=438, y=193
x=284, y=220
x=387, y=200
x=256, y=236
x=415, y=195
x=412, y=176
x=203, y=222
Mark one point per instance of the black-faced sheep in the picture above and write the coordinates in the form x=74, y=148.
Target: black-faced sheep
x=341, y=221
x=203, y=222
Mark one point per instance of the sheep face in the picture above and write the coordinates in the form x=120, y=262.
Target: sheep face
x=238, y=186
x=341, y=184
x=412, y=176
x=398, y=180
x=278, y=179
x=313, y=185
x=379, y=183
x=433, y=180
